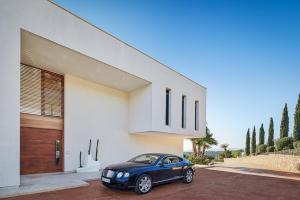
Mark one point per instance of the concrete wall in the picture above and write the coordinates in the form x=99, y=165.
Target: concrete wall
x=59, y=26
x=94, y=111
x=55, y=24
x=9, y=103
x=140, y=109
x=277, y=162
x=159, y=104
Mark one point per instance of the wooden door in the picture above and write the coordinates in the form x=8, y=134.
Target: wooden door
x=38, y=150
x=38, y=136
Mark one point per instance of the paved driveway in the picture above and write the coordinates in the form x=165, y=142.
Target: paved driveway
x=208, y=185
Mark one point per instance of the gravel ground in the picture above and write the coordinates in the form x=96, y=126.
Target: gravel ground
x=207, y=185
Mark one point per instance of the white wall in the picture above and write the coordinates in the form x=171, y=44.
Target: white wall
x=94, y=111
x=148, y=106
x=47, y=20
x=9, y=101
x=140, y=109
x=177, y=90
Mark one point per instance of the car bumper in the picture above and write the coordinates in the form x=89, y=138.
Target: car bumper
x=118, y=184
x=194, y=169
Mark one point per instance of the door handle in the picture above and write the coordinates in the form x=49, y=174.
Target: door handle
x=57, y=151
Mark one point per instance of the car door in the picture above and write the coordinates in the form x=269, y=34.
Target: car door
x=161, y=172
x=177, y=166
x=172, y=167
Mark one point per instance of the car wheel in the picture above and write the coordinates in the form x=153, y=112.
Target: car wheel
x=143, y=184
x=188, y=176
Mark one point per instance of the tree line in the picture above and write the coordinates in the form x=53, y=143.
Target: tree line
x=284, y=142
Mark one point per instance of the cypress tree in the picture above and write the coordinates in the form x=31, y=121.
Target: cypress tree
x=253, y=142
x=297, y=121
x=262, y=135
x=284, y=126
x=247, y=149
x=271, y=133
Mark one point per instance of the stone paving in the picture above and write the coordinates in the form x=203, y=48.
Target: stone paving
x=246, y=169
x=208, y=185
x=49, y=182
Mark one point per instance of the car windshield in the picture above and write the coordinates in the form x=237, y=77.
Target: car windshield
x=146, y=158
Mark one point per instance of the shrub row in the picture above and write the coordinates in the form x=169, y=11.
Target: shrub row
x=202, y=160
x=280, y=144
x=284, y=143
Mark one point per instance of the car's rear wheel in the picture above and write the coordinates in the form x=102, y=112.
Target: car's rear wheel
x=188, y=176
x=143, y=184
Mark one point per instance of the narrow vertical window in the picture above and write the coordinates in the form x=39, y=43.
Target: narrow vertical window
x=196, y=115
x=183, y=111
x=168, y=96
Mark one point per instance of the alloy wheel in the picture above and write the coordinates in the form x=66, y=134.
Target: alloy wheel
x=145, y=184
x=189, y=176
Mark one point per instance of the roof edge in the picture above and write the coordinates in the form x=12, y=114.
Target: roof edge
x=184, y=76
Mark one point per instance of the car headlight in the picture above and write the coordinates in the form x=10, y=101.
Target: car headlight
x=120, y=174
x=126, y=175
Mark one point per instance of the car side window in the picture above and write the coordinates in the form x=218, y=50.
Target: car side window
x=175, y=160
x=167, y=161
x=179, y=159
x=171, y=160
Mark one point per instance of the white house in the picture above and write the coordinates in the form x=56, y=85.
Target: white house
x=64, y=81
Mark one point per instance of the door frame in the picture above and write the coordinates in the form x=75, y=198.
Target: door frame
x=47, y=122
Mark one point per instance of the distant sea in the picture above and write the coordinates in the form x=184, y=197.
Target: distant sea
x=209, y=153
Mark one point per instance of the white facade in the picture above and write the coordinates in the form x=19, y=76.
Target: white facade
x=112, y=91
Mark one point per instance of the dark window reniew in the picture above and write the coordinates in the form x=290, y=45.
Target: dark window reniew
x=196, y=115
x=183, y=111
x=168, y=99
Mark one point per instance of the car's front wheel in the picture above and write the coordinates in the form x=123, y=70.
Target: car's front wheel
x=188, y=176
x=143, y=184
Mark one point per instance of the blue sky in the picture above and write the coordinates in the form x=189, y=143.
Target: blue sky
x=247, y=53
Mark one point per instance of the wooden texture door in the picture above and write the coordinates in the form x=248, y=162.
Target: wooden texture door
x=38, y=150
x=38, y=136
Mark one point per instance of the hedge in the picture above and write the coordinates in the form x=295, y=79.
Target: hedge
x=284, y=143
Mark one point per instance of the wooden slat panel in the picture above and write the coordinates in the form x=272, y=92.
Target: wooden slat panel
x=41, y=92
x=35, y=121
x=38, y=150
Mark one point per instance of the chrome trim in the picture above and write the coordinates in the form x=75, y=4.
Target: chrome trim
x=108, y=173
x=157, y=164
x=170, y=179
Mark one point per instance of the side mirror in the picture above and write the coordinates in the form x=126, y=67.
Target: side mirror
x=161, y=164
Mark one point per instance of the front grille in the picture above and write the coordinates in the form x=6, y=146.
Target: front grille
x=108, y=173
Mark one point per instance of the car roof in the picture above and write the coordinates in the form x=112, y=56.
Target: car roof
x=160, y=154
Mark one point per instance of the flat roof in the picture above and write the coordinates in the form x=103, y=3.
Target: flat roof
x=126, y=43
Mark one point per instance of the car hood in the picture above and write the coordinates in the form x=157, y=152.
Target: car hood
x=126, y=166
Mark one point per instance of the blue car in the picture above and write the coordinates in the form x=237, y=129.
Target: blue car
x=146, y=170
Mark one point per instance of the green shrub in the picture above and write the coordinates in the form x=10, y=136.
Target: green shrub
x=262, y=148
x=296, y=145
x=270, y=149
x=236, y=153
x=202, y=160
x=227, y=154
x=284, y=143
x=186, y=154
x=224, y=154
